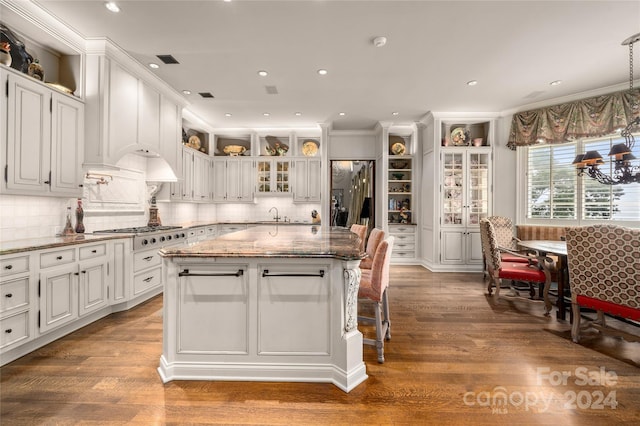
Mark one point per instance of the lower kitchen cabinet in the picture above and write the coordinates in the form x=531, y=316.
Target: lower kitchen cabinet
x=404, y=244
x=58, y=290
x=16, y=297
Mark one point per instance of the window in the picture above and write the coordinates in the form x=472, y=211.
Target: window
x=551, y=183
x=555, y=192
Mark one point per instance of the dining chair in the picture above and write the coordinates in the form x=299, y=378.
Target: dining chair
x=604, y=275
x=374, y=288
x=532, y=272
x=375, y=238
x=361, y=232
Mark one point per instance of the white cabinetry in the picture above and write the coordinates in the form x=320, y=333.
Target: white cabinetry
x=466, y=194
x=194, y=184
x=404, y=245
x=233, y=180
x=307, y=180
x=16, y=325
x=44, y=138
x=273, y=176
x=73, y=282
x=128, y=109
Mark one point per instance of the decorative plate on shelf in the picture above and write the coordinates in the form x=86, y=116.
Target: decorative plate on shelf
x=309, y=148
x=458, y=136
x=194, y=142
x=398, y=148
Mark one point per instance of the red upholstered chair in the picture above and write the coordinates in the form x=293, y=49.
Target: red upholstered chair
x=375, y=238
x=360, y=231
x=374, y=285
x=531, y=272
x=604, y=274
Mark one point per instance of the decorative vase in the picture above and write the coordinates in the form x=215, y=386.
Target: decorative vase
x=68, y=228
x=36, y=71
x=5, y=53
x=79, y=217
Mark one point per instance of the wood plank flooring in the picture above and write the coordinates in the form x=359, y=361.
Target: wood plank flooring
x=454, y=352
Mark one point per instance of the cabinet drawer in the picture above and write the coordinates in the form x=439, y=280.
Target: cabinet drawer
x=403, y=238
x=402, y=246
x=399, y=229
x=147, y=280
x=55, y=258
x=14, y=329
x=146, y=259
x=403, y=254
x=14, y=265
x=14, y=294
x=94, y=250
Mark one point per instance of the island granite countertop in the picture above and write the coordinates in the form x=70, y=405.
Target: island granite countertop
x=277, y=241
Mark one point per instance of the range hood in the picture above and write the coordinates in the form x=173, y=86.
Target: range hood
x=158, y=170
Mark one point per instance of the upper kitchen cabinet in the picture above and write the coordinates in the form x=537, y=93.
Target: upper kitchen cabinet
x=43, y=143
x=129, y=109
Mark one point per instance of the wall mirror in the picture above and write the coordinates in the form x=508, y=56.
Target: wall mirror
x=352, y=192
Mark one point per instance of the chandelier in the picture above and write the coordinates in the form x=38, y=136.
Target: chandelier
x=623, y=172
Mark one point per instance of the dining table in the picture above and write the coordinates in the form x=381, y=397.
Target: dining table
x=558, y=249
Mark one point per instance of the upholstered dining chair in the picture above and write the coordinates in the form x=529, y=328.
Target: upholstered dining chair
x=604, y=274
x=530, y=272
x=375, y=238
x=360, y=231
x=504, y=231
x=374, y=286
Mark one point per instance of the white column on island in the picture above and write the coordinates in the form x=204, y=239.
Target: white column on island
x=352, y=276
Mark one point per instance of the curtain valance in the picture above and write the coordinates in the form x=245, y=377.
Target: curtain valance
x=591, y=117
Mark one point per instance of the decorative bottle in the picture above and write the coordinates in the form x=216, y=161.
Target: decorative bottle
x=79, y=217
x=68, y=228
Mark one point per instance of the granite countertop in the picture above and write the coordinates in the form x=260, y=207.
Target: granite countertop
x=277, y=241
x=30, y=244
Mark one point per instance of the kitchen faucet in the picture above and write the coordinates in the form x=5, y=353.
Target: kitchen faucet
x=276, y=217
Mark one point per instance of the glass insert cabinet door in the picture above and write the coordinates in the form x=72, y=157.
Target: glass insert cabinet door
x=273, y=176
x=466, y=187
x=452, y=182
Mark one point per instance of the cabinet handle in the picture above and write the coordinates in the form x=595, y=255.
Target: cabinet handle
x=8, y=295
x=84, y=272
x=186, y=273
x=146, y=280
x=8, y=267
x=265, y=273
x=94, y=251
x=148, y=258
x=59, y=257
x=8, y=331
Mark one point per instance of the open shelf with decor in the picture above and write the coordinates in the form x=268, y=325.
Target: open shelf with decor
x=232, y=145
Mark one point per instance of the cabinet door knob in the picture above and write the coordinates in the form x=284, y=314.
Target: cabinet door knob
x=8, y=295
x=94, y=251
x=59, y=257
x=8, y=267
x=8, y=331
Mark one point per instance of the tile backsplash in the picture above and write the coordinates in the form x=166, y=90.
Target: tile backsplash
x=31, y=217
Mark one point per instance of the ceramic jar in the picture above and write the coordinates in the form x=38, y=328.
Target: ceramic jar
x=36, y=71
x=5, y=53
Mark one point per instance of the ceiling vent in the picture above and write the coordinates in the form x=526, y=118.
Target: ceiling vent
x=271, y=90
x=168, y=59
x=534, y=94
x=206, y=95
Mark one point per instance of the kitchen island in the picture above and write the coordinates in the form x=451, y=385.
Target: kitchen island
x=271, y=303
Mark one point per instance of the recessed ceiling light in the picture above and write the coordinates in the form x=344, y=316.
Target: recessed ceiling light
x=472, y=82
x=266, y=114
x=395, y=113
x=342, y=114
x=298, y=114
x=186, y=92
x=379, y=41
x=322, y=72
x=555, y=83
x=154, y=66
x=112, y=7
x=227, y=1
x=227, y=114
x=263, y=73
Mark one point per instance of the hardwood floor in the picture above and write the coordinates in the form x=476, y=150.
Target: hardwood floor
x=453, y=351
